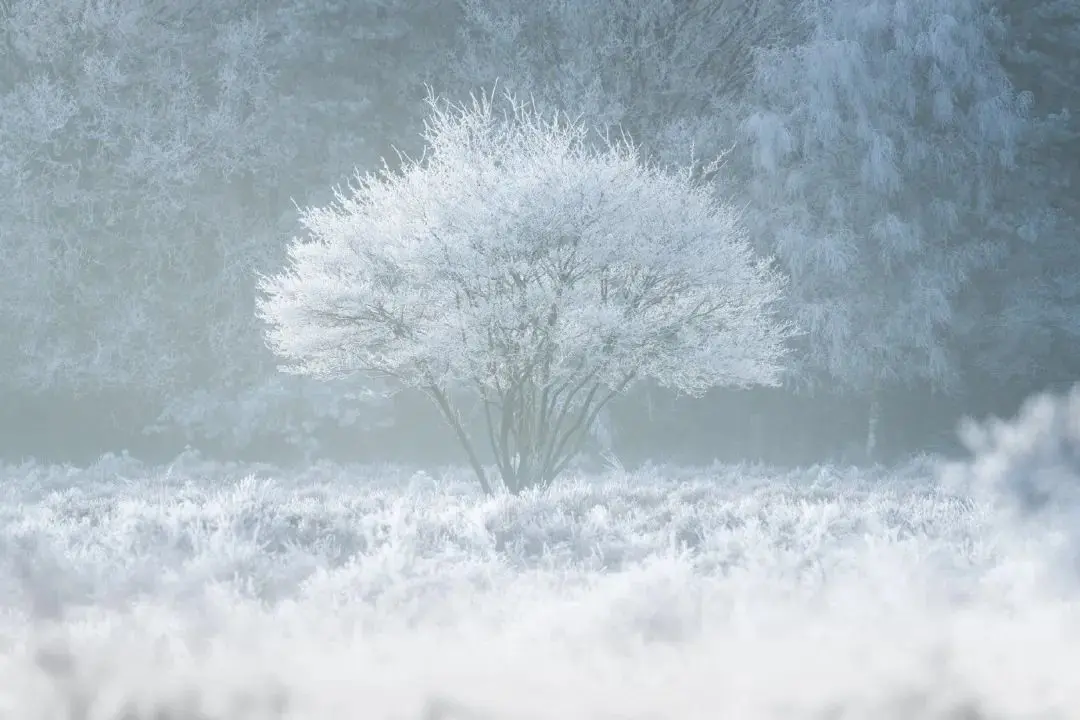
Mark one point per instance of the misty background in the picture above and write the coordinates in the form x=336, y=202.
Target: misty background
x=912, y=167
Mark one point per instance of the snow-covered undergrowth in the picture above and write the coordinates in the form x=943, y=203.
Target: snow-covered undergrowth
x=220, y=592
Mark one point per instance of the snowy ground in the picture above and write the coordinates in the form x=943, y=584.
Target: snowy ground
x=222, y=592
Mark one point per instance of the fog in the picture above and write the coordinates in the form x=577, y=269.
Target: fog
x=303, y=305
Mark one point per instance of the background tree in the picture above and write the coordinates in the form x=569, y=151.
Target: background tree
x=148, y=149
x=1029, y=311
x=666, y=73
x=519, y=267
x=121, y=119
x=882, y=148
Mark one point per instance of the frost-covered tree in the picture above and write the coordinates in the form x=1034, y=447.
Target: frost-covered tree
x=520, y=268
x=882, y=148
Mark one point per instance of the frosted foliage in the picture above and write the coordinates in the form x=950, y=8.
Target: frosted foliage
x=665, y=72
x=515, y=260
x=127, y=130
x=335, y=118
x=148, y=151
x=1034, y=306
x=1047, y=36
x=882, y=145
x=228, y=591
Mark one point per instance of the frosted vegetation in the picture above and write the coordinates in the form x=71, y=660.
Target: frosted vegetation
x=225, y=591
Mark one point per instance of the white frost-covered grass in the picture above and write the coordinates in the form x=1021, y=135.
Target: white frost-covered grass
x=226, y=592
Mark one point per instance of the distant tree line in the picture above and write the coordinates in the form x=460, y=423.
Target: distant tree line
x=912, y=166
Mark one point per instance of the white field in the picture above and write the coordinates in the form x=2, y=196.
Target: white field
x=227, y=592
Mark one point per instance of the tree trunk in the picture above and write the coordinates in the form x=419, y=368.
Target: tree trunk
x=872, y=425
x=454, y=420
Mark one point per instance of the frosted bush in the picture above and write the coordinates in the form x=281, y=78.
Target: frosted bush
x=229, y=591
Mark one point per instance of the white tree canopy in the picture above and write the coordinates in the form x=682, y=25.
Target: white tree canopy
x=520, y=264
